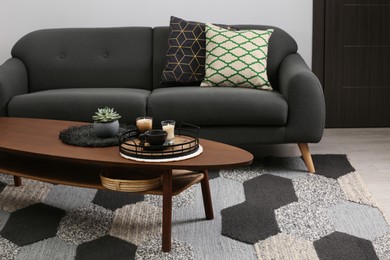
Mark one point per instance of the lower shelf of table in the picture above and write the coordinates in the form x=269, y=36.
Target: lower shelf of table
x=80, y=175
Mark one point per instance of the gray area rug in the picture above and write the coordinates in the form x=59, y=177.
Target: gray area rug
x=270, y=210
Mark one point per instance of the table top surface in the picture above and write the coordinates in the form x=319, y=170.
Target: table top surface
x=40, y=138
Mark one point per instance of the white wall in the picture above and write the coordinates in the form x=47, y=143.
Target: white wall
x=18, y=17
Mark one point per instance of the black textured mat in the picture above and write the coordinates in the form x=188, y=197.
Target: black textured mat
x=85, y=136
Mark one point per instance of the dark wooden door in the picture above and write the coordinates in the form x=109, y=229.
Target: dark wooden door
x=356, y=71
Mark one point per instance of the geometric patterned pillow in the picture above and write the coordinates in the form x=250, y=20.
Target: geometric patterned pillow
x=236, y=58
x=185, y=64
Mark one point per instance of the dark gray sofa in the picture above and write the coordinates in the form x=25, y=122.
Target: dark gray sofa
x=68, y=73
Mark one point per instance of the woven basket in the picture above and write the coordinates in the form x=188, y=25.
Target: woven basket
x=130, y=182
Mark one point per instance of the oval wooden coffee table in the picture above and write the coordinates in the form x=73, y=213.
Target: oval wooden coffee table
x=31, y=148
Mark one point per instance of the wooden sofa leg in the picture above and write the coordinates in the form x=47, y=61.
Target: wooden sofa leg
x=304, y=147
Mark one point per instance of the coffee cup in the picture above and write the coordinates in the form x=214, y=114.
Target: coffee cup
x=154, y=137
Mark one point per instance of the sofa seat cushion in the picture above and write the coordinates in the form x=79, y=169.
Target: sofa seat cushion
x=218, y=106
x=80, y=104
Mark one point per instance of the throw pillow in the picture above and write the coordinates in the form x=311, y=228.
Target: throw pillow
x=185, y=64
x=236, y=58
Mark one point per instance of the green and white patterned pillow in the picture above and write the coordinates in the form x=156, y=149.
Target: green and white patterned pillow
x=236, y=58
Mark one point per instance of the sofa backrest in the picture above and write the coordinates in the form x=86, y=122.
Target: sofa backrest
x=123, y=57
x=160, y=47
x=281, y=44
x=87, y=58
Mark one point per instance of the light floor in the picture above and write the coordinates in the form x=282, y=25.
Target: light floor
x=368, y=150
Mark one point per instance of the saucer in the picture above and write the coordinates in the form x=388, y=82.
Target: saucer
x=149, y=147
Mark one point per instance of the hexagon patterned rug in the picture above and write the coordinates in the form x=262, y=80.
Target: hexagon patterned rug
x=270, y=210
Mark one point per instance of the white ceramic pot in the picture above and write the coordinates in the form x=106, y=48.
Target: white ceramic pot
x=105, y=130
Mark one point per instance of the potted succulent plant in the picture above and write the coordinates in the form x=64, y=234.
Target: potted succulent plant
x=106, y=122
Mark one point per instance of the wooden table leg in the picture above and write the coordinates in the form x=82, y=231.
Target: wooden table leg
x=167, y=211
x=207, y=202
x=17, y=181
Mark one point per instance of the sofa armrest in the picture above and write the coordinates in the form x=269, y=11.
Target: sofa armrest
x=305, y=98
x=13, y=82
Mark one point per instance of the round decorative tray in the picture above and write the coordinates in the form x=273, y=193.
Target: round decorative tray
x=185, y=145
x=130, y=182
